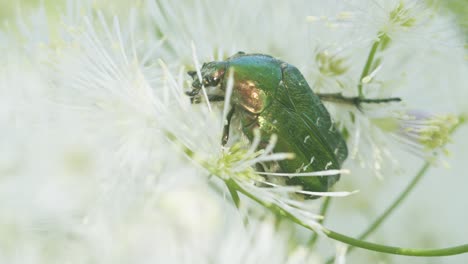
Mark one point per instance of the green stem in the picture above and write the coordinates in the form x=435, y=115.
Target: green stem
x=422, y=171
x=397, y=202
x=323, y=212
x=417, y=178
x=272, y=207
x=233, y=192
x=367, y=66
x=353, y=241
x=391, y=208
x=435, y=252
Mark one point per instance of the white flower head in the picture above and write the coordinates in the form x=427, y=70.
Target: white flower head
x=420, y=132
x=409, y=42
x=91, y=107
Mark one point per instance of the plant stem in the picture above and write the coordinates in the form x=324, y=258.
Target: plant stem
x=417, y=178
x=377, y=222
x=396, y=203
x=323, y=212
x=367, y=66
x=233, y=192
x=436, y=252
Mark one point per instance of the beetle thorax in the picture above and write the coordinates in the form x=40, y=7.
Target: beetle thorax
x=247, y=95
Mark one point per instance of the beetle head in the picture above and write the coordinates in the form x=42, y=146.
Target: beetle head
x=212, y=74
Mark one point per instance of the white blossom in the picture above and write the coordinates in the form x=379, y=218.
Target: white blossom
x=103, y=158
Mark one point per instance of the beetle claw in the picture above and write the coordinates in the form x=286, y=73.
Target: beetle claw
x=357, y=102
x=192, y=93
x=192, y=74
x=195, y=100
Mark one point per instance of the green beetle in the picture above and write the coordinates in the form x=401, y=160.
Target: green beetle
x=273, y=96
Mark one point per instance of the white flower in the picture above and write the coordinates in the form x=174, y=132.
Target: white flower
x=418, y=131
x=87, y=169
x=92, y=109
x=408, y=52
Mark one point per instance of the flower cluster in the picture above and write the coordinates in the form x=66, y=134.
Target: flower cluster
x=104, y=159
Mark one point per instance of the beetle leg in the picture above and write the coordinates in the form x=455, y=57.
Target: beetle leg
x=260, y=167
x=195, y=99
x=225, y=137
x=356, y=100
x=215, y=98
x=192, y=92
x=192, y=74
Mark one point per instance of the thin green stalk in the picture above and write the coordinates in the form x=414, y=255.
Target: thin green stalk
x=403, y=195
x=234, y=194
x=377, y=222
x=433, y=252
x=396, y=203
x=367, y=66
x=323, y=212
x=436, y=252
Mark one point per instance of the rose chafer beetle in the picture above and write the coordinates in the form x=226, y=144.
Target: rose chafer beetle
x=273, y=96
